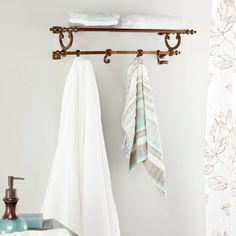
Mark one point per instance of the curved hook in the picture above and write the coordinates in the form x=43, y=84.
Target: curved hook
x=107, y=54
x=159, y=56
x=77, y=53
x=139, y=53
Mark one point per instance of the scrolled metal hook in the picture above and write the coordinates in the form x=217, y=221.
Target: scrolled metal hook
x=139, y=53
x=159, y=56
x=107, y=54
x=77, y=53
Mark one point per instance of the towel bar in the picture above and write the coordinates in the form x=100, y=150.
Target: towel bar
x=171, y=50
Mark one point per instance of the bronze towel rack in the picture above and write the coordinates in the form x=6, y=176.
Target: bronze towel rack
x=171, y=49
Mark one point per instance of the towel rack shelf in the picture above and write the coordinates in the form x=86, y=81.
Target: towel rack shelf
x=160, y=54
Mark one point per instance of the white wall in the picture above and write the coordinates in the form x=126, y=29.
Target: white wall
x=31, y=86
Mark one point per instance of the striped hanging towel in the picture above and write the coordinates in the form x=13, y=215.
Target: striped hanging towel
x=139, y=121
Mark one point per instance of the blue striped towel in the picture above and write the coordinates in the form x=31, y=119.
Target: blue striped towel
x=139, y=121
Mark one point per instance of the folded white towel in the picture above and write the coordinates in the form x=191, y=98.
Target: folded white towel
x=79, y=193
x=94, y=19
x=94, y=16
x=54, y=232
x=152, y=22
x=93, y=23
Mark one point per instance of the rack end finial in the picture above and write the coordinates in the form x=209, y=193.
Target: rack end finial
x=56, y=55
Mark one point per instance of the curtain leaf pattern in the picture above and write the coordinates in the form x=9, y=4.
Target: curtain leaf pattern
x=220, y=154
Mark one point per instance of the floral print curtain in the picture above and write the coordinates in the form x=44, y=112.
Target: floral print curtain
x=220, y=156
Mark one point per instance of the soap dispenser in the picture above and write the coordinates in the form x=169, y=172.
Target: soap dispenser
x=10, y=222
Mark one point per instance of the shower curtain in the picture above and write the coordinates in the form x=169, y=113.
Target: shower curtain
x=220, y=155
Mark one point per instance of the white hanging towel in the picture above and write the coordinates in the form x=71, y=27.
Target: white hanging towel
x=139, y=121
x=79, y=193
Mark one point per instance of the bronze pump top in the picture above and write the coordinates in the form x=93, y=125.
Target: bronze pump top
x=11, y=192
x=11, y=181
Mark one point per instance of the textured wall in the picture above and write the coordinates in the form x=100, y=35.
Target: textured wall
x=31, y=86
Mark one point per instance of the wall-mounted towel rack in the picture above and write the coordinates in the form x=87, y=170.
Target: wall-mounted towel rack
x=171, y=49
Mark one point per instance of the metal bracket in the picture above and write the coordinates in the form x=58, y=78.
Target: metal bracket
x=171, y=49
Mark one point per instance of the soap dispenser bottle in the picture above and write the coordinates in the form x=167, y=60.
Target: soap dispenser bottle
x=10, y=222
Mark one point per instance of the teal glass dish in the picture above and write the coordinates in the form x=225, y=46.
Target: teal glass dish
x=11, y=226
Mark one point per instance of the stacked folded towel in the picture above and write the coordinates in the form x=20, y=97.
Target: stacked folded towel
x=152, y=22
x=130, y=21
x=94, y=19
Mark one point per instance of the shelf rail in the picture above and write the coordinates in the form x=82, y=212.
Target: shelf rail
x=160, y=54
